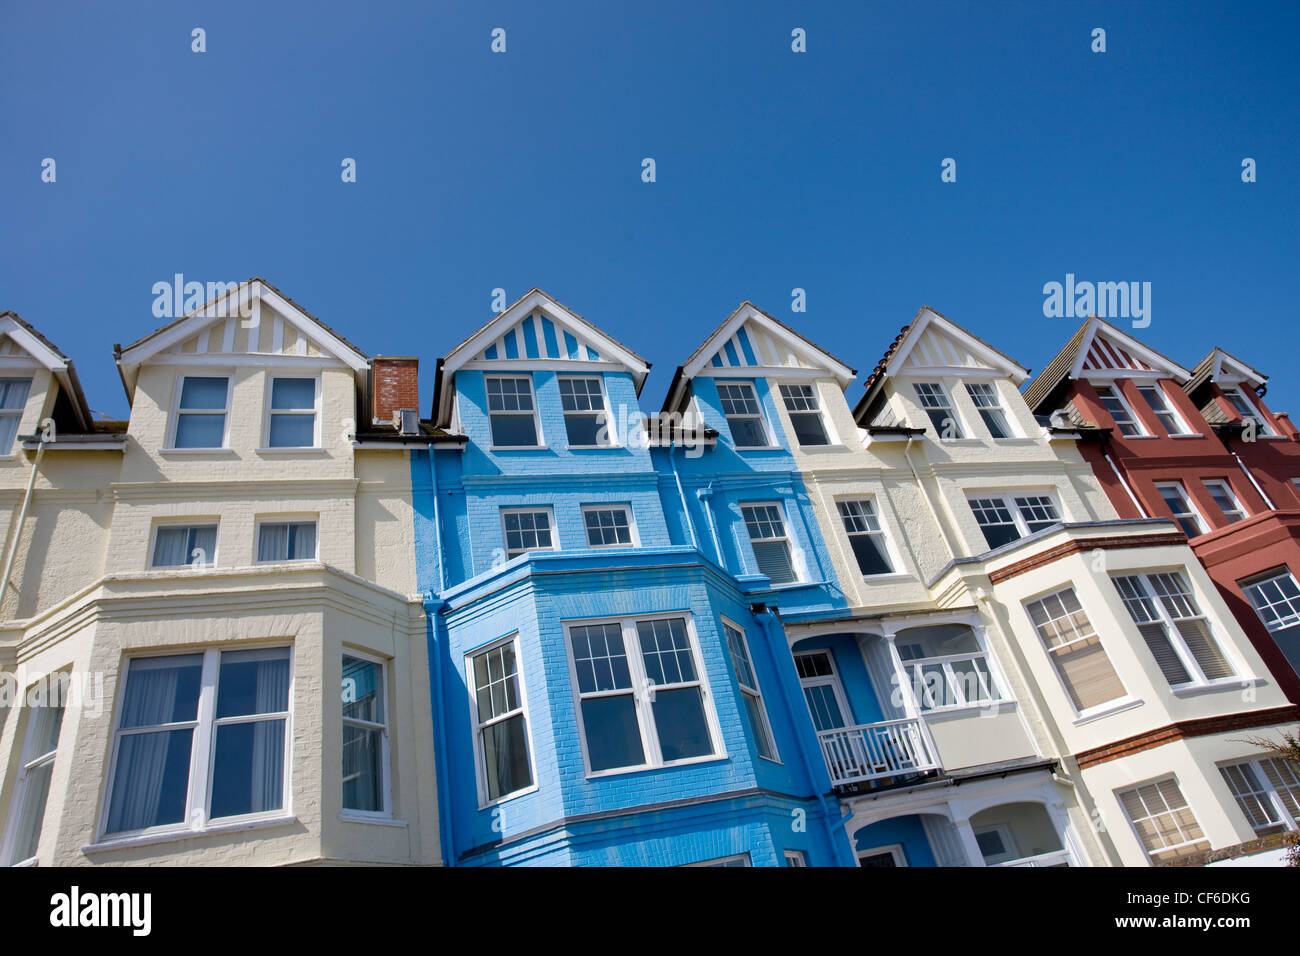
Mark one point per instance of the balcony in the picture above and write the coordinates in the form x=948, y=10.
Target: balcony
x=1057, y=858
x=868, y=752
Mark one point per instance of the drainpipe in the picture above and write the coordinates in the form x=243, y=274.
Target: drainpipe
x=22, y=518
x=834, y=820
x=1142, y=512
x=432, y=604
x=706, y=495
x=1242, y=465
x=934, y=513
x=690, y=522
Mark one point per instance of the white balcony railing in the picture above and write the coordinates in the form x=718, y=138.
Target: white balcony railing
x=871, y=751
x=1056, y=858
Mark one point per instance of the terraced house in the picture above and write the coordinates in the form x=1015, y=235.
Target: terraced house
x=205, y=577
x=949, y=624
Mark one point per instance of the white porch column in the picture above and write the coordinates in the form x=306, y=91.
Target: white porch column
x=966, y=833
x=910, y=705
x=1065, y=830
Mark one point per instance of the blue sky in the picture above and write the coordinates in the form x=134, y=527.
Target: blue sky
x=775, y=170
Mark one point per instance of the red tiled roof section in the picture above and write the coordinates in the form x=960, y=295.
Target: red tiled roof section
x=879, y=370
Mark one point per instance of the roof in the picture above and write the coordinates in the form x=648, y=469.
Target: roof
x=34, y=331
x=1211, y=367
x=876, y=379
x=1067, y=363
x=118, y=349
x=52, y=357
x=429, y=434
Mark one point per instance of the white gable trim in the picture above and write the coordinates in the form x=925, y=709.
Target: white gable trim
x=991, y=357
x=1228, y=370
x=1136, y=349
x=747, y=312
x=33, y=346
x=201, y=320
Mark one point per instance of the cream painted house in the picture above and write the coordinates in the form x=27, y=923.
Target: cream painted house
x=227, y=584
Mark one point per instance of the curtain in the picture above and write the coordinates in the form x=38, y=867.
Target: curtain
x=169, y=548
x=303, y=541
x=272, y=695
x=273, y=542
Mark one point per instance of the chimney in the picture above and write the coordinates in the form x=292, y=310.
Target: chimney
x=394, y=386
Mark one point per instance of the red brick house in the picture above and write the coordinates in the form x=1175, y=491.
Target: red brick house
x=1198, y=446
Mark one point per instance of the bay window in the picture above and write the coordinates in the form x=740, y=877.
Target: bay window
x=1177, y=633
x=1075, y=650
x=501, y=729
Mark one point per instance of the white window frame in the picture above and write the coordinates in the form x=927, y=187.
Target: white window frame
x=893, y=849
x=487, y=407
x=1118, y=394
x=1166, y=408
x=1262, y=426
x=971, y=389
x=603, y=415
x=198, y=793
x=795, y=858
x=1193, y=513
x=28, y=763
x=385, y=737
x=1267, y=796
x=760, y=416
x=1150, y=853
x=785, y=536
x=17, y=413
x=267, y=414
x=1008, y=501
x=954, y=684
x=284, y=519
x=886, y=541
x=478, y=725
x=1282, y=622
x=1223, y=486
x=1172, y=635
x=188, y=523
x=529, y=509
x=950, y=407
x=743, y=858
x=175, y=421
x=634, y=542
x=817, y=410
x=1010, y=849
x=831, y=680
x=640, y=693
x=1105, y=706
x=755, y=692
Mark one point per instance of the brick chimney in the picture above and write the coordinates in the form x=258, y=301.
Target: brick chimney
x=394, y=384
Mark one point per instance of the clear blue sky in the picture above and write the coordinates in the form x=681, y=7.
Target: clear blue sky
x=775, y=170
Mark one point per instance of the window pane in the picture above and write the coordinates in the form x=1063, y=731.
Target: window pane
x=363, y=690
x=13, y=393
x=248, y=768
x=758, y=726
x=31, y=815
x=363, y=768
x=666, y=651
x=583, y=429
x=505, y=756
x=203, y=392
x=869, y=549
x=293, y=431
x=302, y=541
x=150, y=781
x=613, y=737
x=823, y=707
x=774, y=561
x=297, y=393
x=510, y=430
x=200, y=431
x=253, y=682
x=162, y=690
x=679, y=718
x=747, y=432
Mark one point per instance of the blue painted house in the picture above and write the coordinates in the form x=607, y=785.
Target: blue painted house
x=612, y=684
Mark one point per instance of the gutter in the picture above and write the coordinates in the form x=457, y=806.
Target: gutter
x=690, y=522
x=1142, y=512
x=706, y=495
x=432, y=606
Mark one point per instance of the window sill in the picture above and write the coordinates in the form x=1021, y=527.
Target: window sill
x=745, y=448
x=1139, y=436
x=1187, y=435
x=186, y=452
x=1108, y=709
x=495, y=448
x=507, y=797
x=1191, y=690
x=829, y=448
x=889, y=578
x=645, y=768
x=378, y=820
x=595, y=447
x=965, y=710
x=176, y=835
x=314, y=450
x=960, y=441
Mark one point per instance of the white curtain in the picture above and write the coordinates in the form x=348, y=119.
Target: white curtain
x=169, y=549
x=273, y=542
x=271, y=696
x=151, y=699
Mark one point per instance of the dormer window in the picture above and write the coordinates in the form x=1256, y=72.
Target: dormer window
x=13, y=401
x=1155, y=397
x=292, y=414
x=1246, y=409
x=805, y=414
x=201, y=411
x=938, y=406
x=985, y=399
x=1118, y=410
x=512, y=412
x=744, y=414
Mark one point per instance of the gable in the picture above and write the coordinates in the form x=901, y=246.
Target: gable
x=267, y=333
x=936, y=348
x=753, y=346
x=935, y=343
x=1103, y=354
x=537, y=336
x=14, y=354
x=1108, y=352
